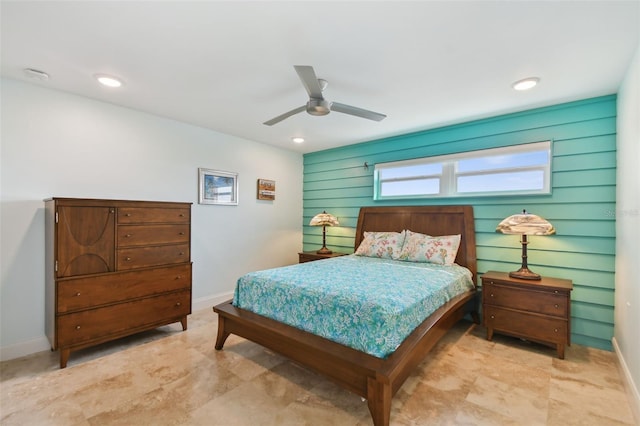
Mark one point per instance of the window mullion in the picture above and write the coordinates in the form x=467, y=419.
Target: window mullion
x=448, y=183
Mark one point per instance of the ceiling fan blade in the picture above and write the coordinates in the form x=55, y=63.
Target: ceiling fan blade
x=309, y=81
x=358, y=112
x=285, y=115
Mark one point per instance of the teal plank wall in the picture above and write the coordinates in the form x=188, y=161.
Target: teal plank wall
x=581, y=207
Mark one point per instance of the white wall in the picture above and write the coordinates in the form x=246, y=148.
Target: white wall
x=627, y=296
x=55, y=144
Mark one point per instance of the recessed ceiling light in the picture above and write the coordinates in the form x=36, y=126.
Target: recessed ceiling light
x=297, y=139
x=108, y=80
x=526, y=84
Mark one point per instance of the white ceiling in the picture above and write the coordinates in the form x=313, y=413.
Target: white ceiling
x=228, y=66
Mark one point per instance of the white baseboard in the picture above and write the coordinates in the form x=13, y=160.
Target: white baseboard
x=41, y=344
x=21, y=349
x=630, y=385
x=209, y=302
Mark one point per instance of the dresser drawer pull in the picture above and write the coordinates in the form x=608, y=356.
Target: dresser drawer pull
x=178, y=277
x=77, y=327
x=181, y=233
x=555, y=329
x=127, y=259
x=491, y=295
x=493, y=317
x=178, y=304
x=128, y=236
x=556, y=291
x=77, y=294
x=181, y=215
x=127, y=214
x=557, y=306
x=181, y=253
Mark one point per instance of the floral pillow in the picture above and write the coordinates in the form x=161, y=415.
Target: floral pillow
x=424, y=248
x=385, y=245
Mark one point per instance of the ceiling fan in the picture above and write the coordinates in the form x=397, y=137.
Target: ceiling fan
x=317, y=104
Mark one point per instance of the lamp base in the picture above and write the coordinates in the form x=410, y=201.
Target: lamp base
x=324, y=250
x=525, y=274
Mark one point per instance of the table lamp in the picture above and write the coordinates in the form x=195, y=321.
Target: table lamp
x=324, y=219
x=525, y=224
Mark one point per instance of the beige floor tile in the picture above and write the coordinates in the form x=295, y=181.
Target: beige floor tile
x=175, y=378
x=514, y=402
x=595, y=400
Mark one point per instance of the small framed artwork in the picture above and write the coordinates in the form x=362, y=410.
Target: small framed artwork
x=218, y=187
x=266, y=189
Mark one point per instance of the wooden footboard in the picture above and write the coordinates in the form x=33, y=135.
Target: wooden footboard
x=373, y=378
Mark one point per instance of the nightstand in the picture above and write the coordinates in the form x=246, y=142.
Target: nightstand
x=536, y=310
x=309, y=256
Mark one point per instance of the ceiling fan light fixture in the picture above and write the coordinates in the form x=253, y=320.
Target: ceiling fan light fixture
x=526, y=84
x=318, y=107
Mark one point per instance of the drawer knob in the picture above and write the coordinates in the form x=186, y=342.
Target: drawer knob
x=556, y=291
x=127, y=259
x=491, y=294
x=181, y=233
x=493, y=316
x=177, y=303
x=181, y=253
x=77, y=327
x=127, y=214
x=181, y=215
x=178, y=277
x=77, y=294
x=555, y=329
x=127, y=236
x=557, y=306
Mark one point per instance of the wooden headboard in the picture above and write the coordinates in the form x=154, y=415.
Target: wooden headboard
x=430, y=220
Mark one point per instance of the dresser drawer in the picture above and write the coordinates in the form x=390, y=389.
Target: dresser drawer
x=531, y=326
x=153, y=215
x=544, y=302
x=140, y=257
x=84, y=326
x=141, y=235
x=84, y=293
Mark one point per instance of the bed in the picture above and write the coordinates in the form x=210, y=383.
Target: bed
x=372, y=377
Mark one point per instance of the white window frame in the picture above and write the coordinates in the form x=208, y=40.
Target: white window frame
x=448, y=178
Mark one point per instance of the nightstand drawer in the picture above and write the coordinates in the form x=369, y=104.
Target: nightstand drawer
x=530, y=326
x=545, y=302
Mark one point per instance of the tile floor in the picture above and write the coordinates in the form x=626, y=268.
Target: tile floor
x=170, y=377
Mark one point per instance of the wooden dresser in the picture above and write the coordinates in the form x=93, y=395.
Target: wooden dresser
x=114, y=268
x=539, y=311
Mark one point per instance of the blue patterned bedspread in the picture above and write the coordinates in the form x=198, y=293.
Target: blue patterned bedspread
x=368, y=304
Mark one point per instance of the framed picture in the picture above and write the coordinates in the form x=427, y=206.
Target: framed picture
x=266, y=189
x=218, y=187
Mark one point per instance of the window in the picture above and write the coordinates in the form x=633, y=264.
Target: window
x=520, y=169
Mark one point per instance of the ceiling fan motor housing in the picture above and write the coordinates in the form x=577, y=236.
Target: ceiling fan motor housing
x=318, y=107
